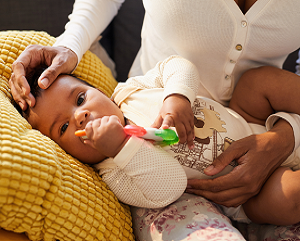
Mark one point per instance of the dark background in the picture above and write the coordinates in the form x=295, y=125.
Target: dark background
x=121, y=39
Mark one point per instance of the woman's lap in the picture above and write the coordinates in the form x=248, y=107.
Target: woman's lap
x=259, y=232
x=191, y=217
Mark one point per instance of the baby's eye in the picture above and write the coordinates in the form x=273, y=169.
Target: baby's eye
x=80, y=99
x=64, y=128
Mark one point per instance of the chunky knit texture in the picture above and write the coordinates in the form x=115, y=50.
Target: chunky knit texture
x=43, y=191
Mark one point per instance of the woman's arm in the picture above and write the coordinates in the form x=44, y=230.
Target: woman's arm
x=87, y=21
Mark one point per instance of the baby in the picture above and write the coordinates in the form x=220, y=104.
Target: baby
x=144, y=174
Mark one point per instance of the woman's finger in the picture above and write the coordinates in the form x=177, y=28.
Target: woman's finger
x=229, y=198
x=60, y=60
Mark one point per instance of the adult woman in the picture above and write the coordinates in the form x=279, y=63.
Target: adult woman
x=223, y=38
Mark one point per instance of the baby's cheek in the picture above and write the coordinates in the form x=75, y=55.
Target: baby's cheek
x=72, y=145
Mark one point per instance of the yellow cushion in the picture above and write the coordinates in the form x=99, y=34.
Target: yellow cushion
x=43, y=191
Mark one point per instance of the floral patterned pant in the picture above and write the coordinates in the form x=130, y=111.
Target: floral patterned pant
x=192, y=217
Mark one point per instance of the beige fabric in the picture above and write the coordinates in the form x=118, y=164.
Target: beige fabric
x=215, y=35
x=144, y=175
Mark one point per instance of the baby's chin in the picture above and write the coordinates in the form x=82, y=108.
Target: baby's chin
x=91, y=159
x=81, y=151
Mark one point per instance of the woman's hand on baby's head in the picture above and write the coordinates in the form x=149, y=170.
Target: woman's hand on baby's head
x=106, y=134
x=176, y=111
x=59, y=59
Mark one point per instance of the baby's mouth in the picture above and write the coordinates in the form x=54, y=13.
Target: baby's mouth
x=81, y=133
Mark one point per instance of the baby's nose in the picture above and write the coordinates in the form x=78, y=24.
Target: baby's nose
x=80, y=117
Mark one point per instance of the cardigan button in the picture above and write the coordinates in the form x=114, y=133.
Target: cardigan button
x=244, y=24
x=227, y=77
x=238, y=47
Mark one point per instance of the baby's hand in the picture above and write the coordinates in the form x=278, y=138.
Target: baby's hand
x=106, y=134
x=176, y=111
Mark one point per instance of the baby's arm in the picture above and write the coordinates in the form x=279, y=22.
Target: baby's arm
x=144, y=175
x=278, y=201
x=139, y=173
x=262, y=91
x=178, y=78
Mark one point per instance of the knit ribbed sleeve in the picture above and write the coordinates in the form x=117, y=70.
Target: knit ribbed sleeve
x=144, y=175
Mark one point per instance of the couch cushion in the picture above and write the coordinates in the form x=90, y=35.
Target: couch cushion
x=44, y=191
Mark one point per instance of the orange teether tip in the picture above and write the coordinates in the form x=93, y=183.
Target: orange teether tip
x=80, y=133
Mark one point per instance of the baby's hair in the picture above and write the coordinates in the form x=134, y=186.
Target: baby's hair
x=36, y=90
x=33, y=83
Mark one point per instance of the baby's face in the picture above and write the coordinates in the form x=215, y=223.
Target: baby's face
x=66, y=106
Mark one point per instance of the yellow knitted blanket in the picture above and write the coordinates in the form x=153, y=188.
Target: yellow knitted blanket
x=43, y=191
